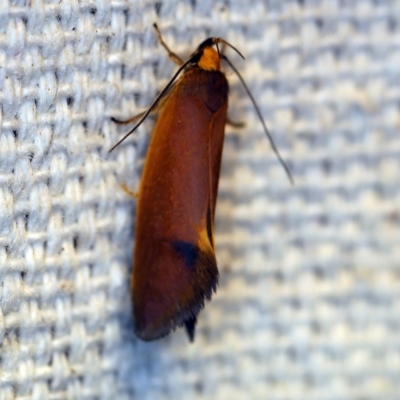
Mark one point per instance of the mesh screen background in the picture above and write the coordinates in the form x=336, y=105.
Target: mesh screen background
x=309, y=296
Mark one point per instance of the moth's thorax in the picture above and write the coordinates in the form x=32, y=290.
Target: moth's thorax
x=209, y=60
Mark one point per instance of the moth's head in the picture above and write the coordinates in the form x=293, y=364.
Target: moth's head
x=207, y=57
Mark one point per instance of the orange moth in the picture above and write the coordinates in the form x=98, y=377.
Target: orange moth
x=175, y=268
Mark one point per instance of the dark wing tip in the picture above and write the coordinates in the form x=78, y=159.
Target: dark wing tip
x=190, y=325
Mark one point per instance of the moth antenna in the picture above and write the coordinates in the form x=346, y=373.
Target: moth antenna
x=157, y=99
x=220, y=40
x=274, y=148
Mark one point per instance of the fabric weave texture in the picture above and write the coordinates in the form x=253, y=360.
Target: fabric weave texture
x=308, y=305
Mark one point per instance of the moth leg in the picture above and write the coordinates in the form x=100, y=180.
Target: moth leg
x=235, y=124
x=175, y=58
x=129, y=192
x=135, y=118
x=128, y=121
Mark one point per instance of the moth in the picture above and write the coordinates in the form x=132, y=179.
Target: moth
x=175, y=268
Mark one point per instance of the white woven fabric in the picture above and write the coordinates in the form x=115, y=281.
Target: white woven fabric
x=309, y=299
